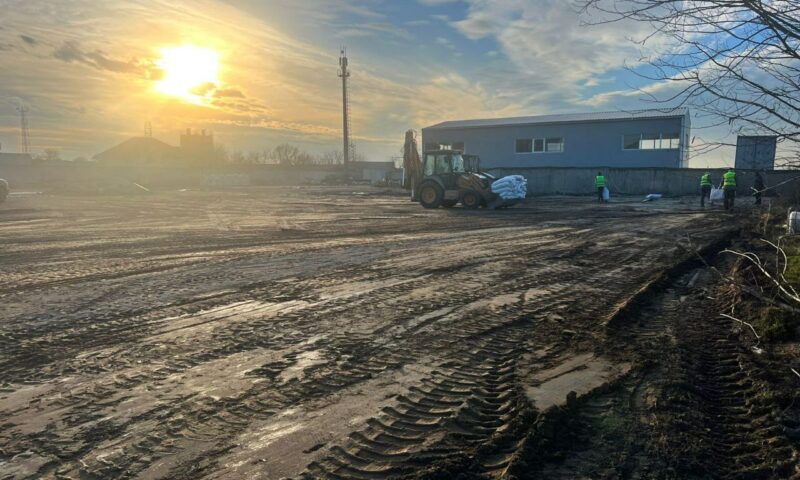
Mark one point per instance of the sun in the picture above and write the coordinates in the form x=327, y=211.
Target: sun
x=187, y=72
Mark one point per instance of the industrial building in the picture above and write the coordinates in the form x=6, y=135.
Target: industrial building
x=632, y=139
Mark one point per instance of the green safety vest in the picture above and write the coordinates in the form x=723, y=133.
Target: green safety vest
x=704, y=181
x=729, y=179
x=600, y=181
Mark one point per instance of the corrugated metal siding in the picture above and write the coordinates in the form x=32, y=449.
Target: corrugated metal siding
x=586, y=144
x=563, y=118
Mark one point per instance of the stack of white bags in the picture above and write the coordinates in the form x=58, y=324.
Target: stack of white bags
x=511, y=187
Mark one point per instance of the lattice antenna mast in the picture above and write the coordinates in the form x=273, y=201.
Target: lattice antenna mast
x=148, y=129
x=24, y=134
x=344, y=74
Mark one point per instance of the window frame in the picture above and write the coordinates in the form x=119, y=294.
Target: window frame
x=659, y=145
x=516, y=146
x=562, y=143
x=543, y=141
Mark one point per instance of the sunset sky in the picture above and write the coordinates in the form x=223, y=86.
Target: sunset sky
x=93, y=72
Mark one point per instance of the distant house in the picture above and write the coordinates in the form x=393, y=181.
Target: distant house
x=140, y=150
x=194, y=148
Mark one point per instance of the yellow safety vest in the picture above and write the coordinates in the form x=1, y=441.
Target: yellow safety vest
x=704, y=181
x=600, y=181
x=729, y=179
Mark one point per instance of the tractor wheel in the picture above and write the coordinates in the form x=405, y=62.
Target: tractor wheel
x=471, y=199
x=449, y=203
x=430, y=195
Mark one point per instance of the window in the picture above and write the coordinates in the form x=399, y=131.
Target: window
x=458, y=146
x=524, y=145
x=554, y=145
x=540, y=145
x=442, y=164
x=429, y=163
x=458, y=163
x=671, y=140
x=631, y=142
x=651, y=141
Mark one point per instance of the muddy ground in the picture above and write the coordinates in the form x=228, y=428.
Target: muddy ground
x=348, y=333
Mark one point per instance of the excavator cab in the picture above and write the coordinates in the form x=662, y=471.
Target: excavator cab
x=450, y=178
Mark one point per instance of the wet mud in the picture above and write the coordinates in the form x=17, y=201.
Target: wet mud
x=313, y=333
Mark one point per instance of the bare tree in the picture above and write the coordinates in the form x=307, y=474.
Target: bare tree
x=253, y=158
x=52, y=154
x=332, y=157
x=286, y=154
x=237, y=157
x=736, y=61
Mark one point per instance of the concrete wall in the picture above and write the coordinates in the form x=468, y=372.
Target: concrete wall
x=585, y=144
x=639, y=181
x=92, y=176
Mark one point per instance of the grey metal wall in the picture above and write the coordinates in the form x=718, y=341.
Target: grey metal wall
x=585, y=144
x=757, y=152
x=639, y=181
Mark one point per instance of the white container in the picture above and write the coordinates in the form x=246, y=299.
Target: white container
x=794, y=223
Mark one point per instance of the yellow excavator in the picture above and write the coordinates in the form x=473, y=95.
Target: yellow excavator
x=447, y=177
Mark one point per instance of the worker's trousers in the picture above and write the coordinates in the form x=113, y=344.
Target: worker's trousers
x=730, y=196
x=600, y=194
x=705, y=194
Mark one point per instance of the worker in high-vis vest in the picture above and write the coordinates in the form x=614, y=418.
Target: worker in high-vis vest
x=600, y=183
x=705, y=188
x=729, y=187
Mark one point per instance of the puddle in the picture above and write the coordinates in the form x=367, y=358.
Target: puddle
x=580, y=374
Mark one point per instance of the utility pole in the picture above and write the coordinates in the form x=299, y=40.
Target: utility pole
x=24, y=135
x=344, y=74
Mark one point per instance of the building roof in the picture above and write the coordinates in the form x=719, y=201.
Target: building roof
x=565, y=118
x=139, y=149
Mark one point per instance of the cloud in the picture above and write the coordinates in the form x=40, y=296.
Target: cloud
x=228, y=92
x=444, y=42
x=546, y=37
x=27, y=39
x=70, y=51
x=435, y=3
x=374, y=30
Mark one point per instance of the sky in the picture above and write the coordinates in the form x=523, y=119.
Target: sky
x=90, y=72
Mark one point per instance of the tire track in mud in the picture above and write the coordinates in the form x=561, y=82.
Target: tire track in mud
x=97, y=332
x=735, y=424
x=469, y=398
x=697, y=406
x=236, y=338
x=325, y=345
